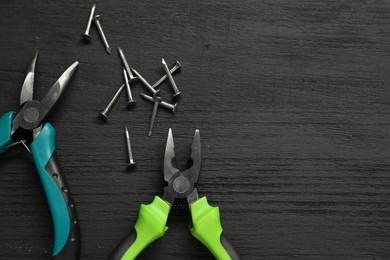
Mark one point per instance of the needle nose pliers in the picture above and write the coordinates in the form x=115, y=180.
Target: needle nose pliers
x=152, y=218
x=29, y=120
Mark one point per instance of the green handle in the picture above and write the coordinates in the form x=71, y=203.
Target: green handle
x=151, y=224
x=206, y=227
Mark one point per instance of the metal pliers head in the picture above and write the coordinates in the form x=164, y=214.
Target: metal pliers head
x=181, y=184
x=32, y=113
x=152, y=219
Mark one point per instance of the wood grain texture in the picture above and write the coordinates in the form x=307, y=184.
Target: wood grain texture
x=291, y=98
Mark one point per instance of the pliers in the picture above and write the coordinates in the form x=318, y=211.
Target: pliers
x=151, y=223
x=29, y=120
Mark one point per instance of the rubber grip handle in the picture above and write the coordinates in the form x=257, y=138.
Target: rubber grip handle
x=123, y=246
x=229, y=248
x=62, y=208
x=5, y=130
x=151, y=224
x=207, y=228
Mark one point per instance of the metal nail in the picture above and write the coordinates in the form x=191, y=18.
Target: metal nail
x=86, y=35
x=173, y=84
x=126, y=65
x=100, y=29
x=167, y=105
x=157, y=101
x=145, y=82
x=129, y=95
x=105, y=112
x=131, y=159
x=173, y=70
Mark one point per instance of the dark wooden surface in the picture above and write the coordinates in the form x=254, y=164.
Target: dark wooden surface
x=291, y=98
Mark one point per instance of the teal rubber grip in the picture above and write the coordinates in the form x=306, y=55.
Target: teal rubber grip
x=42, y=149
x=5, y=129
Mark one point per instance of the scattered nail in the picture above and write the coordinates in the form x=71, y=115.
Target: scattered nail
x=163, y=78
x=157, y=101
x=149, y=87
x=129, y=95
x=86, y=35
x=167, y=105
x=174, y=87
x=104, y=113
x=100, y=29
x=126, y=65
x=130, y=153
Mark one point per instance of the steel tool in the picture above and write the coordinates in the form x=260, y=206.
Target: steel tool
x=29, y=120
x=205, y=220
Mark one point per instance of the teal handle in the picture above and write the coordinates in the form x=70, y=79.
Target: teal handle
x=64, y=216
x=5, y=130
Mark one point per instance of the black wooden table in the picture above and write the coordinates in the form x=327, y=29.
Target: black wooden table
x=291, y=98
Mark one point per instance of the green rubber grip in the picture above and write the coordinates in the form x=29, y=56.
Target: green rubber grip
x=151, y=224
x=207, y=228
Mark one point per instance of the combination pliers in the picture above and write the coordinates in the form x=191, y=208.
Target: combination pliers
x=29, y=120
x=151, y=223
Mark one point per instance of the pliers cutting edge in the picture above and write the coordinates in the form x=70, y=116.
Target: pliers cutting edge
x=30, y=119
x=152, y=218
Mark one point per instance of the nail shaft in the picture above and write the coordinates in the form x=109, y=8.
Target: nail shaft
x=167, y=105
x=129, y=95
x=157, y=100
x=148, y=86
x=163, y=78
x=174, y=87
x=105, y=112
x=100, y=29
x=130, y=153
x=86, y=33
x=125, y=64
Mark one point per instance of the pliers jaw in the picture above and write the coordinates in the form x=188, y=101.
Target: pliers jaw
x=25, y=125
x=28, y=85
x=32, y=113
x=181, y=184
